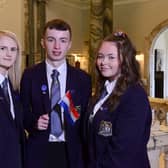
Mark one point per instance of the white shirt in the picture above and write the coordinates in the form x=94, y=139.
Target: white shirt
x=2, y=78
x=62, y=69
x=109, y=87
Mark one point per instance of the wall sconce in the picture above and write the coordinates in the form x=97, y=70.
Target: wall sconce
x=140, y=58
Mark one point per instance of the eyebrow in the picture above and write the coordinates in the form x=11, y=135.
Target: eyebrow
x=59, y=38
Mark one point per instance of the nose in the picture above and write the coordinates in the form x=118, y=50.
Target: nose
x=105, y=60
x=56, y=45
x=8, y=52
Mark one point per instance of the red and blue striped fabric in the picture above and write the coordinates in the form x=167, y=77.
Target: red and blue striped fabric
x=69, y=109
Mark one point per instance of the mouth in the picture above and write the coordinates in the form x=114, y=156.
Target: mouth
x=7, y=59
x=56, y=53
x=103, y=68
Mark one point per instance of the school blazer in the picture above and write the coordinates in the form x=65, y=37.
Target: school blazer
x=119, y=138
x=11, y=133
x=33, y=82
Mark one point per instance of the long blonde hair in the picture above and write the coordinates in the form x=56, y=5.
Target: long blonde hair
x=15, y=70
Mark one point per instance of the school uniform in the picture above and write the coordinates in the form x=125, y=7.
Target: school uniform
x=119, y=138
x=11, y=129
x=35, y=86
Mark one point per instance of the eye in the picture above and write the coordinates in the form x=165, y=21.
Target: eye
x=111, y=57
x=64, y=40
x=50, y=39
x=14, y=49
x=100, y=56
x=3, y=48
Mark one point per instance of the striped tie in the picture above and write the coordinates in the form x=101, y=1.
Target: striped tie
x=5, y=90
x=103, y=93
x=56, y=127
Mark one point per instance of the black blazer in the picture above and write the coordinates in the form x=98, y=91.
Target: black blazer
x=11, y=133
x=36, y=102
x=119, y=138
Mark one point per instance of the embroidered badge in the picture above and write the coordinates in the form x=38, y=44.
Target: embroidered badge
x=105, y=128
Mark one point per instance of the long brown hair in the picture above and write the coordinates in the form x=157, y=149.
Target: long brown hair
x=130, y=68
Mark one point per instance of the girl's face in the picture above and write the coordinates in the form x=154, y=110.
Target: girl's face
x=8, y=53
x=108, y=61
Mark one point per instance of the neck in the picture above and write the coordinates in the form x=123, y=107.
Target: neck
x=3, y=71
x=55, y=64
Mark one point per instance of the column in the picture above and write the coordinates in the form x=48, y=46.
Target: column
x=35, y=18
x=30, y=34
x=41, y=20
x=100, y=26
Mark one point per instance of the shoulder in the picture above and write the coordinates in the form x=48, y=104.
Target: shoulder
x=135, y=92
x=78, y=72
x=34, y=70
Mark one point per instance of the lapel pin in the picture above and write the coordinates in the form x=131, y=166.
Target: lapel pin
x=44, y=89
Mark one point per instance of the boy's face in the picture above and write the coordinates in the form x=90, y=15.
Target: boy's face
x=56, y=43
x=8, y=53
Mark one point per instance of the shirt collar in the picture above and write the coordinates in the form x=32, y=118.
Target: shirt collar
x=60, y=69
x=2, y=77
x=110, y=85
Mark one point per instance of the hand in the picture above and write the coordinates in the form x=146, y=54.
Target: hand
x=42, y=123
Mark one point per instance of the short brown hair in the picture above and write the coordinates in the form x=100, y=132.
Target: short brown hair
x=57, y=24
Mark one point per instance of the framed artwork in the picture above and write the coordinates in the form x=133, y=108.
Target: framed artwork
x=159, y=60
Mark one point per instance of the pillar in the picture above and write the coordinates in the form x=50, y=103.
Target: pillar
x=100, y=26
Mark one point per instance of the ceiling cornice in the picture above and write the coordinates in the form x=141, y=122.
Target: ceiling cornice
x=124, y=2
x=85, y=4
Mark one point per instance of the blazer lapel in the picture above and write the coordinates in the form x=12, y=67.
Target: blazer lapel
x=5, y=105
x=69, y=78
x=44, y=87
x=16, y=105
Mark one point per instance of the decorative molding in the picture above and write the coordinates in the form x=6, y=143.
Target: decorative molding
x=79, y=4
x=124, y=2
x=85, y=4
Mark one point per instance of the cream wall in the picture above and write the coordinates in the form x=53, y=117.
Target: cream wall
x=76, y=15
x=12, y=17
x=139, y=19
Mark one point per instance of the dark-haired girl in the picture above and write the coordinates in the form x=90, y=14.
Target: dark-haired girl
x=119, y=115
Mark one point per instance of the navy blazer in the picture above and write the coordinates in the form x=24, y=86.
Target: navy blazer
x=35, y=99
x=11, y=133
x=119, y=138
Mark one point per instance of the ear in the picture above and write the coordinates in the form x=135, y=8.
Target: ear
x=42, y=43
x=70, y=44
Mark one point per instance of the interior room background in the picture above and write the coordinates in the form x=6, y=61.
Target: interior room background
x=143, y=20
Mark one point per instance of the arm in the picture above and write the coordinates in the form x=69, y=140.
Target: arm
x=29, y=119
